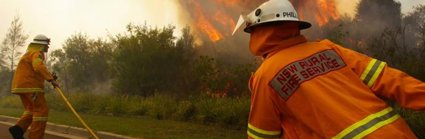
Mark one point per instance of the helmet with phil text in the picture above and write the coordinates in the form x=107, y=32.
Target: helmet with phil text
x=270, y=11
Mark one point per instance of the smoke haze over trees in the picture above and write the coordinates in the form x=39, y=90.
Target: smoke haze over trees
x=381, y=31
x=146, y=60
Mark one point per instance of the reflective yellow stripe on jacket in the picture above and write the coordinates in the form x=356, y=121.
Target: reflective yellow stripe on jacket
x=27, y=90
x=41, y=119
x=372, y=71
x=27, y=113
x=369, y=124
x=37, y=61
x=257, y=133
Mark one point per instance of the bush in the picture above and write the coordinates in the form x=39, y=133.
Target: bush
x=138, y=106
x=11, y=101
x=227, y=111
x=230, y=112
x=415, y=119
x=186, y=110
x=161, y=106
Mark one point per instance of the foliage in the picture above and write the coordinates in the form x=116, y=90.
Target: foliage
x=83, y=62
x=395, y=39
x=159, y=75
x=5, y=76
x=414, y=119
x=147, y=60
x=414, y=36
x=337, y=31
x=2, y=61
x=376, y=15
x=140, y=126
x=228, y=112
x=15, y=38
x=10, y=50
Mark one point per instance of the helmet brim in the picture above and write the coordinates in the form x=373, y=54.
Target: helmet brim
x=40, y=42
x=303, y=25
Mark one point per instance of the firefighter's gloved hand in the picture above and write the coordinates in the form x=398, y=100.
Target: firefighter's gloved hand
x=54, y=83
x=55, y=77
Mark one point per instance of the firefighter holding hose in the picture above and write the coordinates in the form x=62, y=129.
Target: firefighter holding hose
x=28, y=83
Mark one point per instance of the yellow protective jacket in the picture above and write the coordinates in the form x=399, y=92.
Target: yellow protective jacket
x=31, y=72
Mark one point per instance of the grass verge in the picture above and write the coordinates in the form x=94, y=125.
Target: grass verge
x=140, y=127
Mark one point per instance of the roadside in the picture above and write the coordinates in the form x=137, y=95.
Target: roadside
x=56, y=131
x=4, y=134
x=141, y=127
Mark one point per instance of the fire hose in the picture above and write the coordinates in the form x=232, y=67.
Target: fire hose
x=58, y=90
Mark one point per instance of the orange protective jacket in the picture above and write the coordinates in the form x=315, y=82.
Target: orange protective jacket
x=312, y=90
x=31, y=72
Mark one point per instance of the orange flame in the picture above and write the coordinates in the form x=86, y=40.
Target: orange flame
x=225, y=20
x=203, y=24
x=321, y=10
x=215, y=19
x=328, y=10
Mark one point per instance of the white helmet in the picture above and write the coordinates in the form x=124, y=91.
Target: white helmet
x=41, y=39
x=270, y=11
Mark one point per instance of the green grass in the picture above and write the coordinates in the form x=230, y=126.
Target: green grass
x=144, y=127
x=226, y=112
x=162, y=116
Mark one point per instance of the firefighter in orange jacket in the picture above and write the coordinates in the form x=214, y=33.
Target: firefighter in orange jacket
x=28, y=83
x=312, y=90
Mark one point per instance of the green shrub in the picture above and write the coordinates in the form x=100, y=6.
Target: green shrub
x=11, y=101
x=137, y=106
x=231, y=112
x=234, y=112
x=118, y=105
x=206, y=110
x=185, y=111
x=161, y=106
x=82, y=102
x=415, y=119
x=55, y=102
x=100, y=105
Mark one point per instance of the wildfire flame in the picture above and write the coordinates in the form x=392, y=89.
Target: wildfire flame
x=203, y=23
x=215, y=19
x=321, y=10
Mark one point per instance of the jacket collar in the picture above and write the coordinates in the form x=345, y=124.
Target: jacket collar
x=287, y=43
x=35, y=47
x=262, y=49
x=267, y=39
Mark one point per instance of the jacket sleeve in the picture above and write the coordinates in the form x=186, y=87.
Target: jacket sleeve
x=386, y=81
x=264, y=118
x=406, y=90
x=39, y=66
